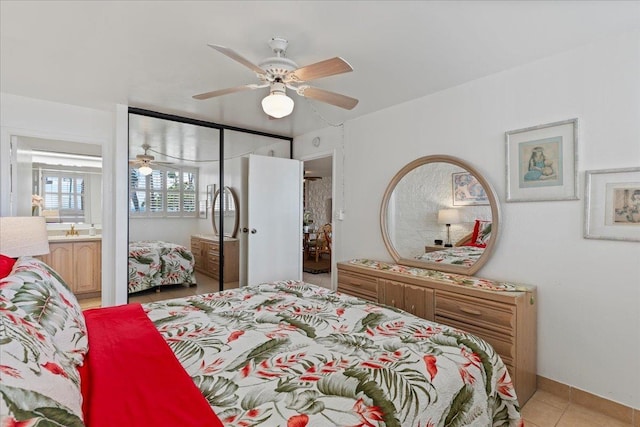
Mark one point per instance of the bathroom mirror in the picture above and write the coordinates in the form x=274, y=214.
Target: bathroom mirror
x=231, y=212
x=60, y=180
x=432, y=200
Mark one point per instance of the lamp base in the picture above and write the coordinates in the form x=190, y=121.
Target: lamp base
x=448, y=245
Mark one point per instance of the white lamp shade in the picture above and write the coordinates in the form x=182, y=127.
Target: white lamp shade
x=144, y=170
x=23, y=236
x=448, y=216
x=277, y=104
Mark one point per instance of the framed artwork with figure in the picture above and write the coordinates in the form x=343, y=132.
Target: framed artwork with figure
x=612, y=204
x=467, y=190
x=542, y=162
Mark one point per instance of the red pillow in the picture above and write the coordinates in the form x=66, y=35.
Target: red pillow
x=6, y=265
x=481, y=233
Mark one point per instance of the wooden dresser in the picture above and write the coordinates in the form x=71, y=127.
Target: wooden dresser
x=206, y=251
x=505, y=319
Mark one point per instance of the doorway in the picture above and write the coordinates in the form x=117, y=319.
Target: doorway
x=317, y=205
x=61, y=181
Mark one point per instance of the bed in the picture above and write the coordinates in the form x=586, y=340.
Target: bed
x=153, y=264
x=276, y=354
x=466, y=251
x=457, y=255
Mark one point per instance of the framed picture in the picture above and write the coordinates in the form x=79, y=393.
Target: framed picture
x=612, y=204
x=467, y=190
x=542, y=162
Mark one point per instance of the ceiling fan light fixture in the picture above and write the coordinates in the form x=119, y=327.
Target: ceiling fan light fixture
x=145, y=170
x=277, y=104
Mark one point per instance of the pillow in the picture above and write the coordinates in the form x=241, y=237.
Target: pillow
x=481, y=233
x=37, y=386
x=6, y=265
x=38, y=291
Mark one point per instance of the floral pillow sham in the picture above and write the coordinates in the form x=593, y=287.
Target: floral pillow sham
x=41, y=293
x=38, y=385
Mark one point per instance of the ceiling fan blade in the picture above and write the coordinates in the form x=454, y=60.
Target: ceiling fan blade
x=220, y=92
x=326, y=68
x=332, y=98
x=237, y=57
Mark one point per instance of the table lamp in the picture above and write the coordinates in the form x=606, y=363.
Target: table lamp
x=23, y=236
x=448, y=217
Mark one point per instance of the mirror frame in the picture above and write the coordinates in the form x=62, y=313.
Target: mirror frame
x=237, y=216
x=493, y=202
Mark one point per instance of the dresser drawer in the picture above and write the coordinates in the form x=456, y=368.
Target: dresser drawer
x=504, y=345
x=358, y=285
x=491, y=315
x=214, y=259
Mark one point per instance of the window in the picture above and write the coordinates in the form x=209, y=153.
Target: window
x=165, y=192
x=64, y=192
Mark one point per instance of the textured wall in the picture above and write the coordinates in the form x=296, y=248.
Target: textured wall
x=318, y=200
x=414, y=206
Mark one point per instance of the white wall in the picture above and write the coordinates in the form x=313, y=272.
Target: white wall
x=174, y=230
x=21, y=116
x=588, y=290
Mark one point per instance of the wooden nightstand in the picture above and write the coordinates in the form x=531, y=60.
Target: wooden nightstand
x=430, y=248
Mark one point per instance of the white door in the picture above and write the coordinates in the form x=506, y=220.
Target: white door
x=275, y=219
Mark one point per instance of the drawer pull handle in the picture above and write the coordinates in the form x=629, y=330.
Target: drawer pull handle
x=470, y=311
x=413, y=309
x=356, y=284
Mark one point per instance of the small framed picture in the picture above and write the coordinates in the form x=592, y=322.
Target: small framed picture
x=467, y=190
x=612, y=204
x=542, y=162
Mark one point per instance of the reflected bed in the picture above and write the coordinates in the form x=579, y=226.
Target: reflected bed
x=155, y=263
x=466, y=252
x=457, y=255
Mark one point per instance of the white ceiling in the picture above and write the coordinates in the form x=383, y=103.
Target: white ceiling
x=154, y=54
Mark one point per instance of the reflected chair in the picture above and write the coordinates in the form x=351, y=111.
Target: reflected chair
x=310, y=245
x=323, y=242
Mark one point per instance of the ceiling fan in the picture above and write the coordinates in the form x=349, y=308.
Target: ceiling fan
x=144, y=161
x=280, y=73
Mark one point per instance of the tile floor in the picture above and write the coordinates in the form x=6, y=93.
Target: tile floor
x=542, y=410
x=322, y=279
x=548, y=410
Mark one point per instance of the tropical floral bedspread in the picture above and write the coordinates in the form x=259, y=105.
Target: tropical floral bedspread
x=293, y=354
x=457, y=255
x=156, y=263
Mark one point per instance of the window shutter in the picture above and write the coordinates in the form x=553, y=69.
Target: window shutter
x=164, y=192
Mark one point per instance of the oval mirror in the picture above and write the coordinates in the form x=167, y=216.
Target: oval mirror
x=231, y=212
x=439, y=212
